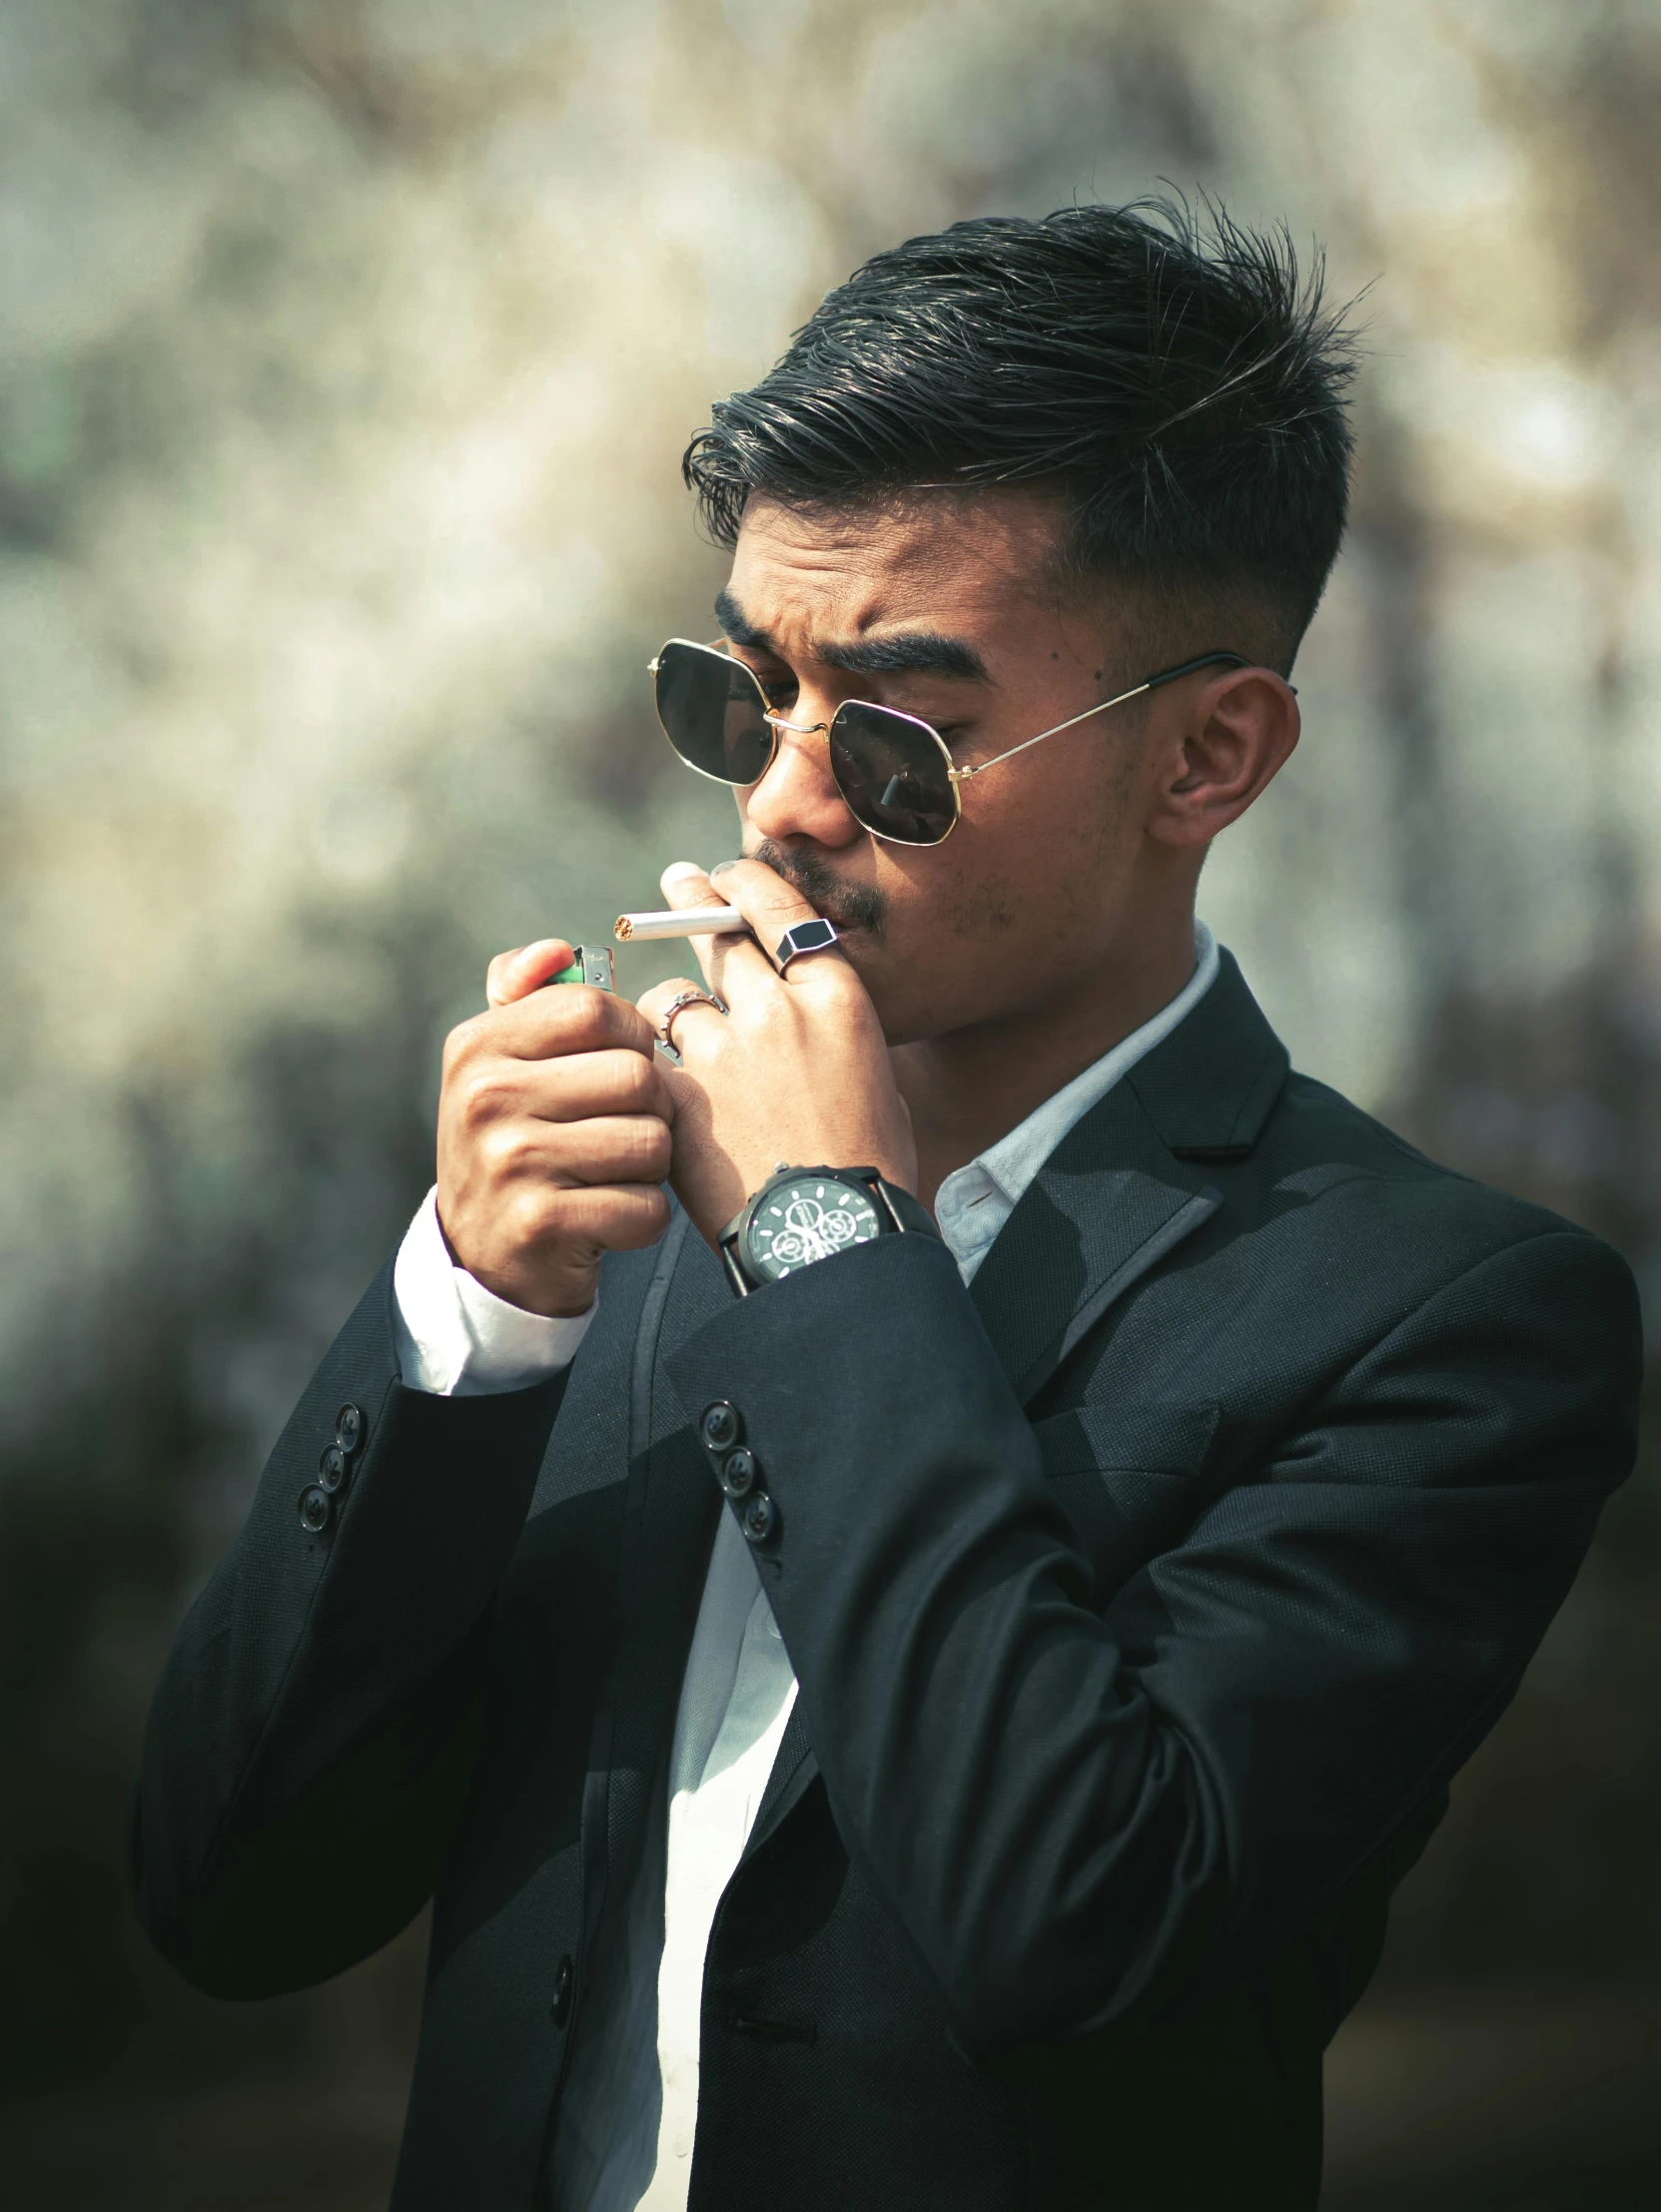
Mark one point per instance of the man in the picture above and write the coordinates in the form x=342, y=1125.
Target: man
x=909, y=1680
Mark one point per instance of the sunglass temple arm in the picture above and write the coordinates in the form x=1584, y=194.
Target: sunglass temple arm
x=1152, y=683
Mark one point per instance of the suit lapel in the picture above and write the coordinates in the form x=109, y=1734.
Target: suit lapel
x=1127, y=1184
x=1104, y=1207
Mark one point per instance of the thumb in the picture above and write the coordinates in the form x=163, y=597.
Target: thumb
x=516, y=975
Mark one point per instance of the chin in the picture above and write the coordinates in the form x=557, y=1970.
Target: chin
x=905, y=1010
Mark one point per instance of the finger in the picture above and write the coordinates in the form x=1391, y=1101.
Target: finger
x=728, y=959
x=626, y=1216
x=512, y=975
x=616, y=1217
x=597, y=1083
x=549, y=1024
x=771, y=906
x=655, y=1004
x=604, y=1150
x=500, y=1092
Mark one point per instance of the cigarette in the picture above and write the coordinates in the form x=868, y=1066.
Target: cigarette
x=634, y=929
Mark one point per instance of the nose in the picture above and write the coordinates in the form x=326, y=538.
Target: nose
x=797, y=797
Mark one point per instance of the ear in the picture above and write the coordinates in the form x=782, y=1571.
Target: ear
x=1225, y=743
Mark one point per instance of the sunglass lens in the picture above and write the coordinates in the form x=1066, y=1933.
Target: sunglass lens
x=714, y=713
x=893, y=774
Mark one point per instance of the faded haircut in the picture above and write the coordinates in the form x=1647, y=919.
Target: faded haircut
x=1172, y=375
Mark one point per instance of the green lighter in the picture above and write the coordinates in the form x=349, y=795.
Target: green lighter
x=591, y=965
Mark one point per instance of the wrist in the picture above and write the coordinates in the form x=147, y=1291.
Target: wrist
x=550, y=1298
x=458, y=1336
x=801, y=1217
x=553, y=1285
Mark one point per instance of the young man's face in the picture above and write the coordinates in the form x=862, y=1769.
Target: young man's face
x=1053, y=861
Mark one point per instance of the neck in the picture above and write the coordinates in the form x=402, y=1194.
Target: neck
x=970, y=1087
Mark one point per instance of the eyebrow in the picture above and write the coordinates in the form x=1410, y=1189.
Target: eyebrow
x=908, y=652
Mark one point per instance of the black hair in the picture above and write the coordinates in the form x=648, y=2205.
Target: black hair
x=1173, y=376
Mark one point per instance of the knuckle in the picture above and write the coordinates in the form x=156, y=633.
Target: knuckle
x=606, y=1013
x=639, y=1219
x=478, y=1097
x=637, y=1081
x=500, y=1150
x=589, y=1011
x=653, y=1211
x=649, y=1146
x=462, y=1040
x=534, y=1216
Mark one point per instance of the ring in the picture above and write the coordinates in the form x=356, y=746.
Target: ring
x=678, y=1005
x=806, y=937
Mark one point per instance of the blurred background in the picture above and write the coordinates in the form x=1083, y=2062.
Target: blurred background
x=347, y=352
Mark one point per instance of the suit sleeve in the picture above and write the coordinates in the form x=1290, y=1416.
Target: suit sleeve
x=1075, y=1812
x=312, y=1739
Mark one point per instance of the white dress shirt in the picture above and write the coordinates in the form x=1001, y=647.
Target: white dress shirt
x=629, y=2110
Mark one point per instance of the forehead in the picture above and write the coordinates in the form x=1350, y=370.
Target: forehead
x=971, y=563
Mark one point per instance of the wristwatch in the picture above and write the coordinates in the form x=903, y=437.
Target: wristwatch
x=804, y=1215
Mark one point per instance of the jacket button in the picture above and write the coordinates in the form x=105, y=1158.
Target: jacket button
x=350, y=1427
x=332, y=1470
x=761, y=1518
x=738, y=1473
x=314, y=1510
x=559, y=2008
x=720, y=1426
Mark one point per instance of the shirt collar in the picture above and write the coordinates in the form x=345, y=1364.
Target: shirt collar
x=1016, y=1159
x=975, y=1201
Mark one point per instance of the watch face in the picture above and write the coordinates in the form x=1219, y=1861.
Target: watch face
x=806, y=1219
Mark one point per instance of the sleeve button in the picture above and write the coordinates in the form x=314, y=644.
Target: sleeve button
x=738, y=1473
x=559, y=2010
x=761, y=1518
x=332, y=1470
x=720, y=1426
x=350, y=1427
x=314, y=1510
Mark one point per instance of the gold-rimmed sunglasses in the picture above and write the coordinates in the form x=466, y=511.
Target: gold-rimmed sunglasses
x=895, y=771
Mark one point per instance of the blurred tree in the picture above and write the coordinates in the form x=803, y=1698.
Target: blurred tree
x=350, y=347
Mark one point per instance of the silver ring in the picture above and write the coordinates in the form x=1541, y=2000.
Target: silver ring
x=806, y=937
x=678, y=1003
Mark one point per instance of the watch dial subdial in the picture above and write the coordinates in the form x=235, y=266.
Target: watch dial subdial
x=811, y=1219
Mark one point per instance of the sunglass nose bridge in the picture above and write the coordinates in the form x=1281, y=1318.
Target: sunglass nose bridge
x=802, y=729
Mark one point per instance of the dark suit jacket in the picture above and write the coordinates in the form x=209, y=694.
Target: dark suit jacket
x=1144, y=1598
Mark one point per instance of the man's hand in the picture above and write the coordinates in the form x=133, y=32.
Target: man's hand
x=798, y=1071
x=553, y=1134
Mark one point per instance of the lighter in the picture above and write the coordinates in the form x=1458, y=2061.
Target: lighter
x=591, y=965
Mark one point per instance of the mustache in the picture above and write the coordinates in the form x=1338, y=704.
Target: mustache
x=850, y=906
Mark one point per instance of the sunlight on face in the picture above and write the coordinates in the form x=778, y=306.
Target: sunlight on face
x=1034, y=877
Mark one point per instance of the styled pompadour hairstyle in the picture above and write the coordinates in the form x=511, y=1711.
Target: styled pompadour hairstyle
x=1172, y=375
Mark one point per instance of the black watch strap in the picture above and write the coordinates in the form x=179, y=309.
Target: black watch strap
x=910, y=1214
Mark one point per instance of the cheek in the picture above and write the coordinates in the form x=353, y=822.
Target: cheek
x=1088, y=819
x=980, y=894
x=1047, y=824
x=1029, y=861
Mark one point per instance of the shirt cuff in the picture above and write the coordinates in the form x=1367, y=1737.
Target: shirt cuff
x=456, y=1340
